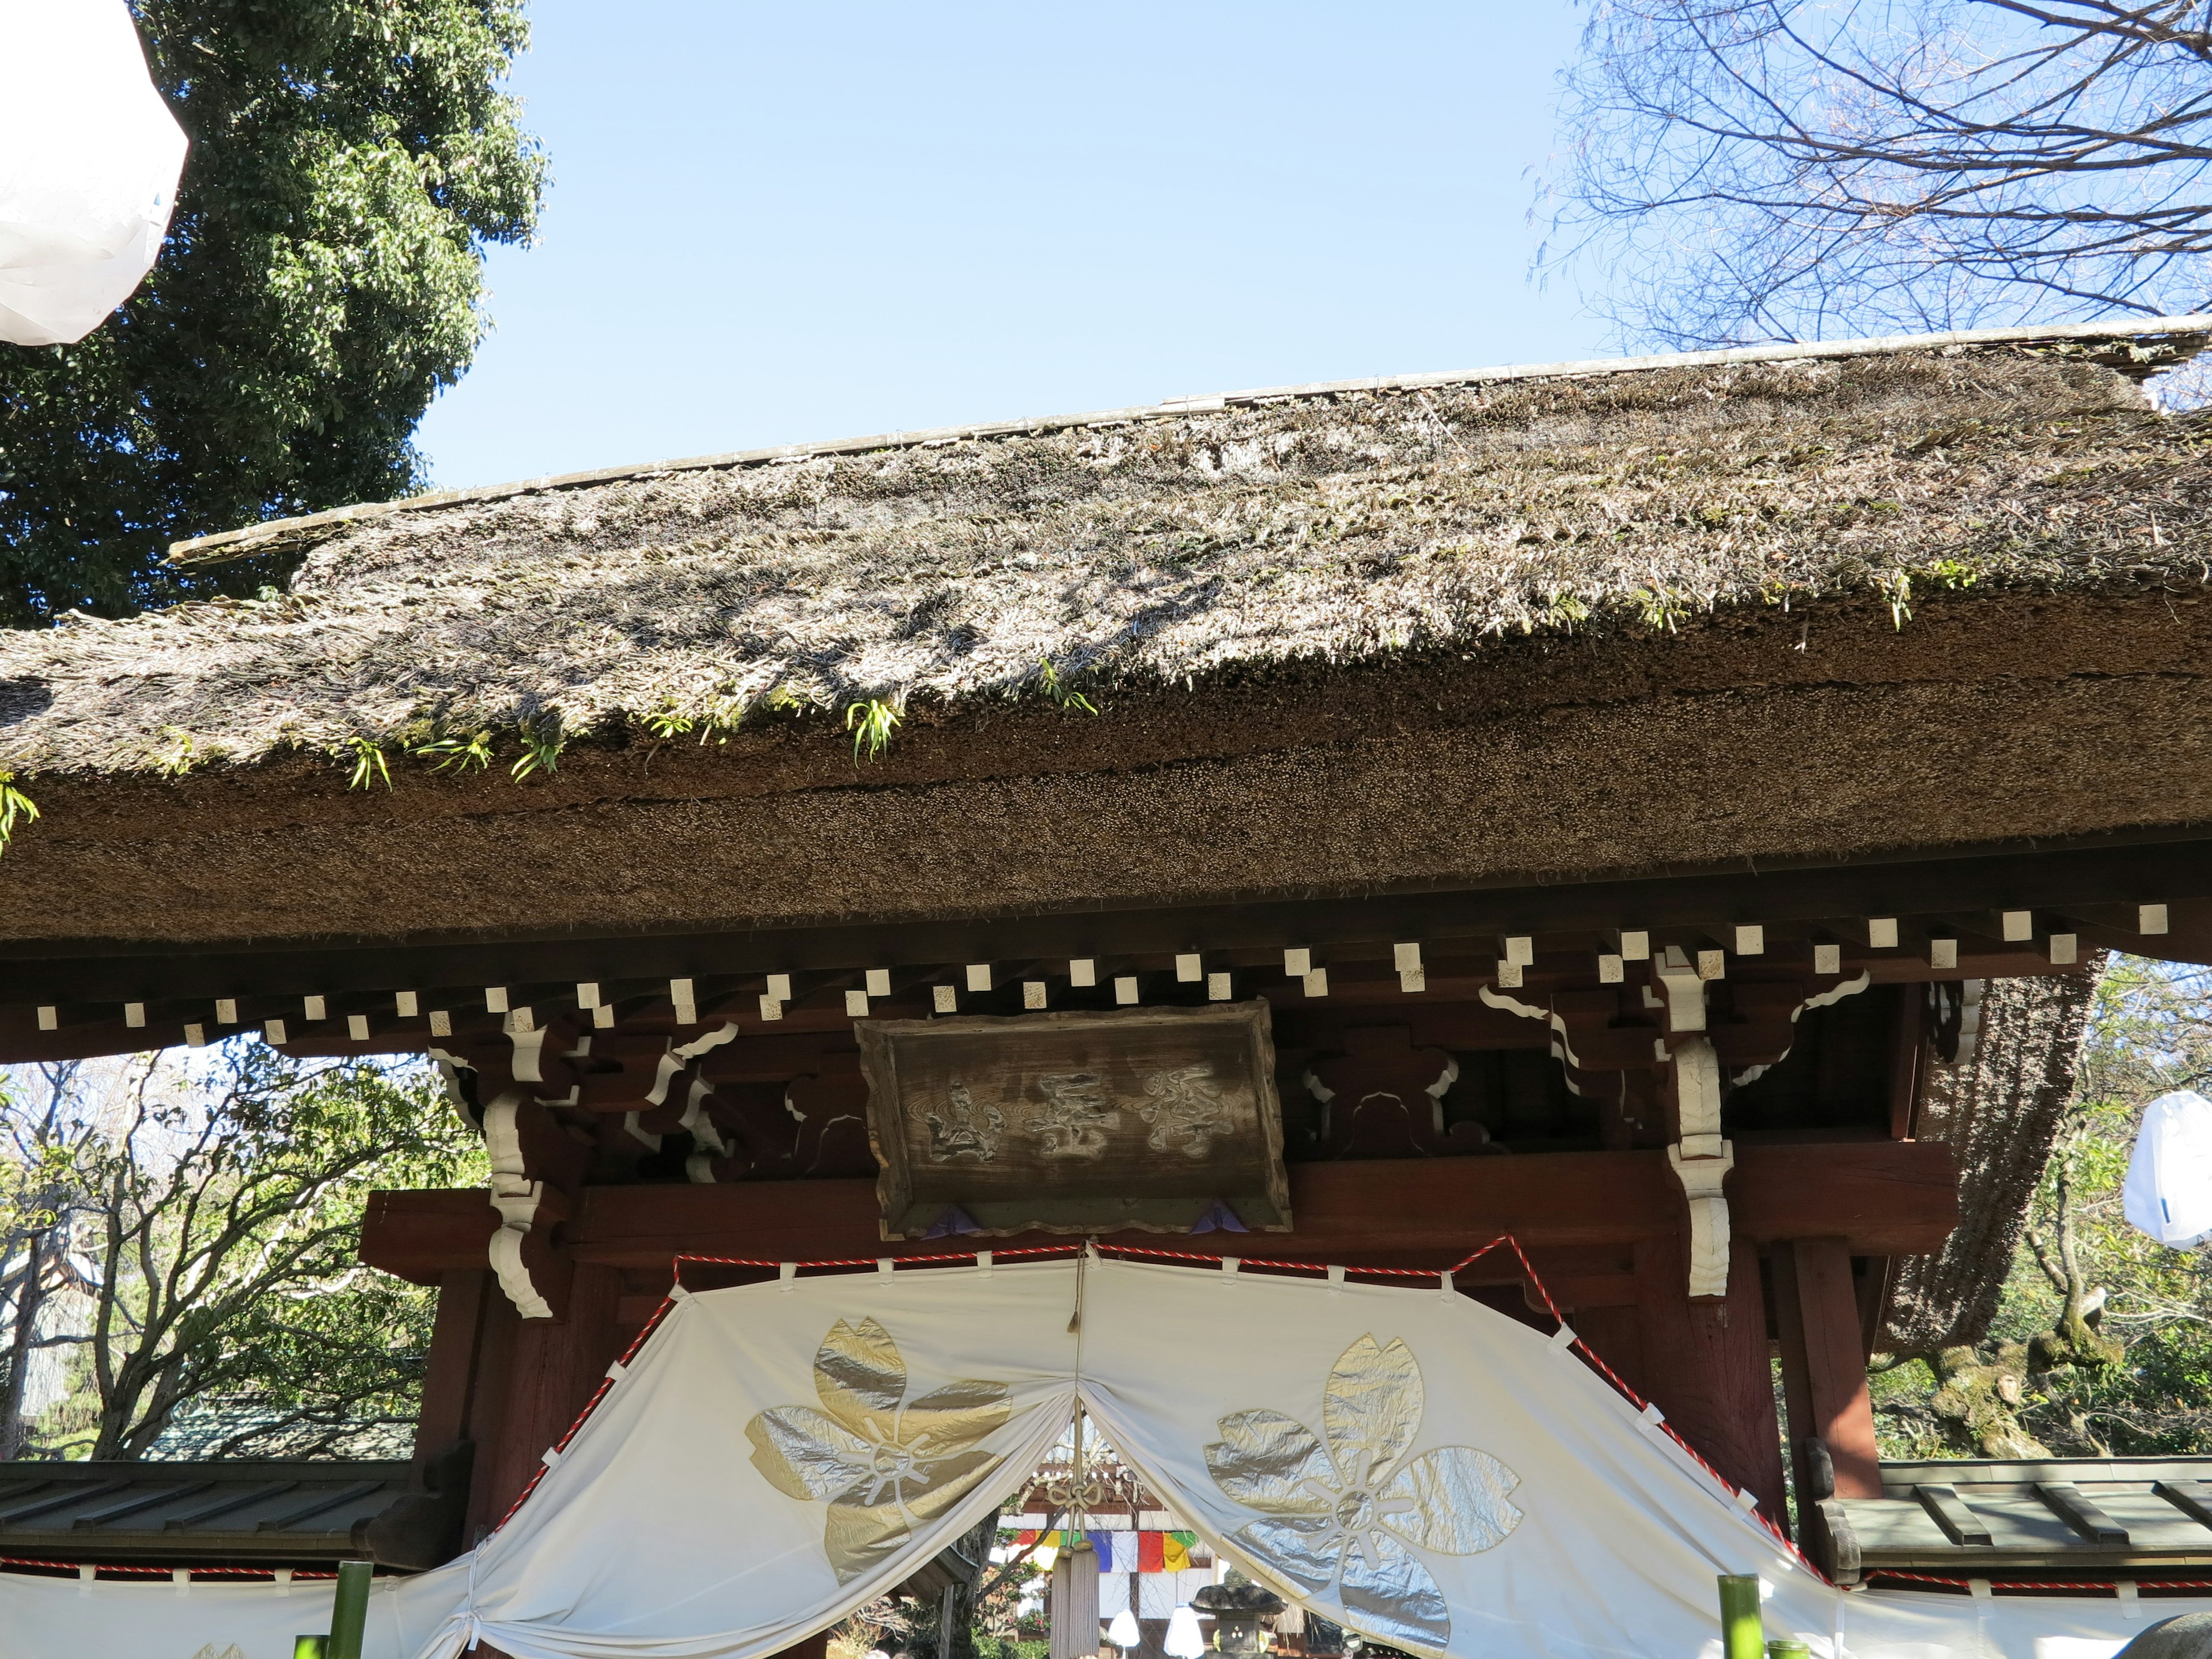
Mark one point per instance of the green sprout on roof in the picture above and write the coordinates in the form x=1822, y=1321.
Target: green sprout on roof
x=458, y=753
x=871, y=724
x=541, y=751
x=1060, y=691
x=15, y=807
x=369, y=764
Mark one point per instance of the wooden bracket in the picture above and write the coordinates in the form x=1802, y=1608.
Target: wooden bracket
x=1701, y=1160
x=532, y=1272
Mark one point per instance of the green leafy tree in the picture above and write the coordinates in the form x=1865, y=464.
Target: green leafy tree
x=322, y=280
x=2102, y=1345
x=208, y=1209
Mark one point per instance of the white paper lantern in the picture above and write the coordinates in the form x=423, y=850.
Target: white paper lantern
x=89, y=156
x=2168, y=1191
x=1123, y=1632
x=1185, y=1641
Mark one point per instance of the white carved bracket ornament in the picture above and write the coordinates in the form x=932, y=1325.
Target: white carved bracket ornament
x=518, y=1199
x=1701, y=1160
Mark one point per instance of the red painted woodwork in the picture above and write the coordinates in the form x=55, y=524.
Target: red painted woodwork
x=1883, y=1198
x=1816, y=1306
x=1705, y=1364
x=1380, y=1105
x=555, y=1365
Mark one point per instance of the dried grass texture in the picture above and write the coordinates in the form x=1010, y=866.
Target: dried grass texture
x=1340, y=529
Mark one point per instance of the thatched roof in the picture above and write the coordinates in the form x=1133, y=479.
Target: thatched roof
x=1502, y=631
x=1332, y=525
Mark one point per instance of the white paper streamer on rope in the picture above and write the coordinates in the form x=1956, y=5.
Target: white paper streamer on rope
x=89, y=156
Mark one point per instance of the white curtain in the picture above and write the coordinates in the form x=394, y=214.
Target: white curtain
x=1400, y=1459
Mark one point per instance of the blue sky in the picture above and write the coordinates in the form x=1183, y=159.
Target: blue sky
x=773, y=223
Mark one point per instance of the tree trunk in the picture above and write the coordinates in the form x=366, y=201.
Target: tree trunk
x=19, y=1355
x=1978, y=1402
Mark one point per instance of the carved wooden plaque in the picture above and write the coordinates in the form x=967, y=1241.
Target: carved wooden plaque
x=1144, y=1118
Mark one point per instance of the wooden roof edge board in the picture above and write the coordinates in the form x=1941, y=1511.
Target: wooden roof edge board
x=243, y=543
x=1951, y=1512
x=2161, y=864
x=2023, y=1473
x=2066, y=1501
x=2193, y=1498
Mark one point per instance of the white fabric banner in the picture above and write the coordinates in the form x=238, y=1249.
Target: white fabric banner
x=1405, y=1463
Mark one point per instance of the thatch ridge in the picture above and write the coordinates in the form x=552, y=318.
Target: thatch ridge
x=1218, y=537
x=2156, y=343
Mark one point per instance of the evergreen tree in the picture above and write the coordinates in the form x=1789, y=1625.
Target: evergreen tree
x=322, y=280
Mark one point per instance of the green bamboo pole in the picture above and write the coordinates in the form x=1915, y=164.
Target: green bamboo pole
x=349, y=1612
x=1743, y=1635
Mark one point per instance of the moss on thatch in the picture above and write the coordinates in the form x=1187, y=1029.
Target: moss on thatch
x=1150, y=548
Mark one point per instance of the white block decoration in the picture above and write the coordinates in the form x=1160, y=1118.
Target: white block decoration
x=778, y=987
x=2065, y=948
x=50, y=1018
x=979, y=975
x=769, y=1007
x=1218, y=987
x=314, y=1008
x=89, y=156
x=226, y=1010
x=2150, y=919
x=273, y=1031
x=495, y=998
x=587, y=993
x=1082, y=970
x=879, y=982
x=1297, y=964
x=1943, y=953
x=1611, y=970
x=1635, y=945
x=1828, y=959
x=357, y=1027
x=1751, y=940
x=134, y=1014
x=1032, y=993
x=856, y=1004
x=406, y=1004
x=441, y=1022
x=1882, y=932
x=944, y=1000
x=1317, y=981
x=1406, y=958
x=1188, y=969
x=1125, y=990
x=2019, y=925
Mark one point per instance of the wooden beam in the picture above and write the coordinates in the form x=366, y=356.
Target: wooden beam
x=1839, y=1410
x=1705, y=1365
x=1881, y=1197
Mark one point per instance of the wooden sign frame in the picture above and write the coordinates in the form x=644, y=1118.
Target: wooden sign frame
x=1147, y=1119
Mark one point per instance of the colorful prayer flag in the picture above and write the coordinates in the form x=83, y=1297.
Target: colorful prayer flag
x=1175, y=1552
x=1149, y=1553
